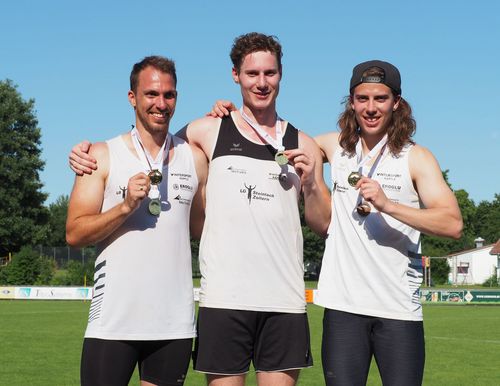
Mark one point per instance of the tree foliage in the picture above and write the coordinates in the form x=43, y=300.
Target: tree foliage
x=54, y=231
x=22, y=212
x=487, y=220
x=314, y=245
x=27, y=268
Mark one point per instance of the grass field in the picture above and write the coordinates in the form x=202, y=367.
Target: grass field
x=40, y=343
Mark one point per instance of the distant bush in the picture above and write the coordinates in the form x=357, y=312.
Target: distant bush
x=492, y=281
x=28, y=268
x=76, y=273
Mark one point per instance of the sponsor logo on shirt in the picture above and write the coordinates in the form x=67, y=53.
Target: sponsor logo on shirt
x=392, y=188
x=236, y=147
x=183, y=201
x=182, y=176
x=122, y=190
x=236, y=170
x=185, y=187
x=253, y=194
x=388, y=176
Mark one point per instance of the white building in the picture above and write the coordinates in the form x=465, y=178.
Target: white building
x=475, y=266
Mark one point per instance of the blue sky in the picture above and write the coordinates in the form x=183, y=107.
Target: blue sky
x=74, y=59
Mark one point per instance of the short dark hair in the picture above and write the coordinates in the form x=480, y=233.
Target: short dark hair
x=254, y=42
x=159, y=62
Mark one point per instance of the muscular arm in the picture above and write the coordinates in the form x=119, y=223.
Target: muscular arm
x=85, y=224
x=308, y=162
x=441, y=215
x=197, y=218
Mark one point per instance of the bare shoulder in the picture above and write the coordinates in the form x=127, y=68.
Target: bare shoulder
x=421, y=159
x=202, y=126
x=419, y=151
x=305, y=141
x=99, y=150
x=202, y=133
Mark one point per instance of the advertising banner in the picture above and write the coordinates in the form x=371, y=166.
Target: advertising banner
x=51, y=293
x=460, y=296
x=7, y=292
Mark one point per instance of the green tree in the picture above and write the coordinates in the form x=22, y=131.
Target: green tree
x=21, y=212
x=439, y=271
x=55, y=229
x=314, y=245
x=487, y=220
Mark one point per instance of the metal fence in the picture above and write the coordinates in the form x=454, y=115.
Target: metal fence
x=63, y=255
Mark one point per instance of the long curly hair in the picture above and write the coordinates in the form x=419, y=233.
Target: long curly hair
x=400, y=131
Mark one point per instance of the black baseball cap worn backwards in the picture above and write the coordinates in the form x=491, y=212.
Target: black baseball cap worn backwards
x=391, y=77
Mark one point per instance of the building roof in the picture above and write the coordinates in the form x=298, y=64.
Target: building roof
x=496, y=248
x=474, y=250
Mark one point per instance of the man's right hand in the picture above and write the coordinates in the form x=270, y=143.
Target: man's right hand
x=79, y=159
x=137, y=190
x=221, y=109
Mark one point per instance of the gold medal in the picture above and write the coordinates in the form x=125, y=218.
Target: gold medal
x=155, y=207
x=363, y=209
x=155, y=176
x=281, y=158
x=353, y=178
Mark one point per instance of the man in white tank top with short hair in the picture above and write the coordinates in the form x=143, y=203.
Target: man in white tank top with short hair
x=386, y=191
x=136, y=209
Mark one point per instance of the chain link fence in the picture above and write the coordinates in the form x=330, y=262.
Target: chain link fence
x=63, y=255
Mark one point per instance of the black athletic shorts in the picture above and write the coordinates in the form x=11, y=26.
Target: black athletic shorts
x=228, y=340
x=112, y=362
x=350, y=341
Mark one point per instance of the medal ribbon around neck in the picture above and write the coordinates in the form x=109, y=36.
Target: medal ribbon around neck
x=155, y=175
x=363, y=209
x=362, y=161
x=145, y=156
x=278, y=143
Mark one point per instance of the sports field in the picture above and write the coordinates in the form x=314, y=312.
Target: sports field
x=40, y=343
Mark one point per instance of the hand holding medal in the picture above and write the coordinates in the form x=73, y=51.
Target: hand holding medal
x=137, y=190
x=154, y=175
x=363, y=208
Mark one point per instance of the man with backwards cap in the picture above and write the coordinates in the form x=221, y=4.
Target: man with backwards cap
x=386, y=191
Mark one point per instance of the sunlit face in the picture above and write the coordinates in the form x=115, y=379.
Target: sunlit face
x=259, y=78
x=154, y=100
x=373, y=105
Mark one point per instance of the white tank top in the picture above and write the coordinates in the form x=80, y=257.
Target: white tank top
x=251, y=247
x=143, y=282
x=372, y=265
